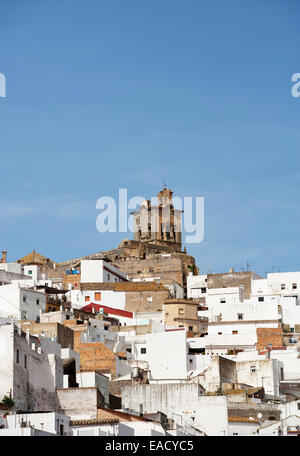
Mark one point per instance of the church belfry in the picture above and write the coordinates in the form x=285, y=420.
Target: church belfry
x=159, y=224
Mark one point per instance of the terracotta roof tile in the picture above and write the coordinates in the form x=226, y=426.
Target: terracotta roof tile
x=94, y=421
x=242, y=419
x=124, y=286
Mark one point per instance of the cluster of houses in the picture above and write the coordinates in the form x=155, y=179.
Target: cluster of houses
x=135, y=342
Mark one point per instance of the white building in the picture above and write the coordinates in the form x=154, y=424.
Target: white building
x=48, y=423
x=183, y=403
x=21, y=303
x=289, y=426
x=100, y=271
x=27, y=374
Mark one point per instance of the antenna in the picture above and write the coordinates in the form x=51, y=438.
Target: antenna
x=248, y=266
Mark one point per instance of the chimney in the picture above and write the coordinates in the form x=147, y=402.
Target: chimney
x=4, y=256
x=231, y=270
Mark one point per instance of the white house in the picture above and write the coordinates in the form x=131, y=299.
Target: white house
x=289, y=426
x=47, y=422
x=27, y=374
x=100, y=271
x=21, y=303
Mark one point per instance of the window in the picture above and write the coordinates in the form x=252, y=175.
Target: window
x=151, y=270
x=97, y=296
x=25, y=361
x=87, y=299
x=219, y=334
x=235, y=332
x=235, y=433
x=283, y=286
x=223, y=301
x=252, y=369
x=29, y=272
x=139, y=272
x=67, y=317
x=261, y=299
x=191, y=360
x=18, y=356
x=108, y=277
x=203, y=290
x=128, y=350
x=240, y=316
x=294, y=286
x=37, y=320
x=298, y=405
x=191, y=328
x=37, y=302
x=181, y=311
x=143, y=351
x=24, y=298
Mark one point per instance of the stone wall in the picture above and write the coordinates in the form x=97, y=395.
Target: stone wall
x=231, y=279
x=251, y=409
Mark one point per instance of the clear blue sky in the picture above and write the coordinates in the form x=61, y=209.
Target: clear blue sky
x=109, y=94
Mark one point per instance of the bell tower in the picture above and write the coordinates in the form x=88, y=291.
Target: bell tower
x=159, y=224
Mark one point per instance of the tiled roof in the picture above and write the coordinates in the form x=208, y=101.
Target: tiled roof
x=34, y=257
x=122, y=416
x=242, y=419
x=116, y=386
x=123, y=286
x=94, y=421
x=109, y=310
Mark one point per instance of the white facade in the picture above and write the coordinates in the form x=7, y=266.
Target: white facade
x=52, y=422
x=166, y=354
x=109, y=298
x=95, y=430
x=27, y=374
x=90, y=379
x=100, y=271
x=240, y=428
x=196, y=286
x=286, y=427
x=21, y=303
x=181, y=402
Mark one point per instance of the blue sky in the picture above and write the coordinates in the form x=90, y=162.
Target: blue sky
x=103, y=95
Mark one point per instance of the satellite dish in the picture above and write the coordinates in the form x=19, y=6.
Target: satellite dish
x=259, y=416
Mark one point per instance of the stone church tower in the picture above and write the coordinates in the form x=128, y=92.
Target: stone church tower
x=159, y=224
